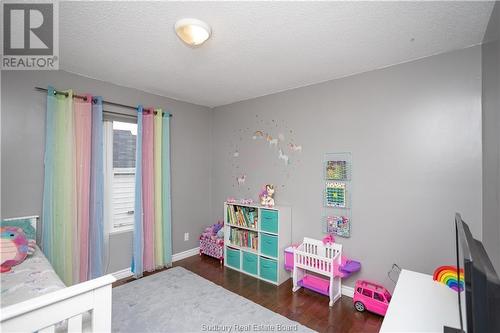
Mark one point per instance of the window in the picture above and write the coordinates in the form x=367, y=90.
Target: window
x=378, y=297
x=120, y=140
x=367, y=292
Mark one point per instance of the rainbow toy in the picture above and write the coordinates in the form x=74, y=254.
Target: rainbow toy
x=448, y=276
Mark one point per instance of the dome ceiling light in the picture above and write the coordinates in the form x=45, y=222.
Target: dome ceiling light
x=192, y=31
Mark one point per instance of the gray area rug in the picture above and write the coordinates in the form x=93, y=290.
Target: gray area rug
x=177, y=300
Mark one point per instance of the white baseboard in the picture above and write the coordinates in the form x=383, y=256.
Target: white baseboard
x=348, y=291
x=186, y=254
x=125, y=273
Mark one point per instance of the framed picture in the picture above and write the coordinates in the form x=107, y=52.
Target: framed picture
x=336, y=170
x=335, y=194
x=338, y=225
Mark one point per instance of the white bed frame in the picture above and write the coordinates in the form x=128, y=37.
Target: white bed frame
x=44, y=312
x=313, y=256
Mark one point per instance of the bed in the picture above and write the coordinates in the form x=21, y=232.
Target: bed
x=33, y=298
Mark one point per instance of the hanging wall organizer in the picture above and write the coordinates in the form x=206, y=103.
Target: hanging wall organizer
x=337, y=194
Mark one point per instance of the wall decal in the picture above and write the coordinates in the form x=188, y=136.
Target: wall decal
x=276, y=134
x=283, y=156
x=241, y=180
x=258, y=135
x=294, y=147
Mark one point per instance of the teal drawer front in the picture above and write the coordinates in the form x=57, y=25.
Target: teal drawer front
x=268, y=269
x=269, y=245
x=269, y=220
x=233, y=257
x=250, y=262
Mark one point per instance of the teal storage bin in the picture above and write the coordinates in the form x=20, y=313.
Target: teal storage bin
x=269, y=220
x=233, y=257
x=250, y=262
x=269, y=245
x=268, y=269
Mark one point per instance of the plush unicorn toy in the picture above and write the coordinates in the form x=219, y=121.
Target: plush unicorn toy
x=266, y=196
x=15, y=247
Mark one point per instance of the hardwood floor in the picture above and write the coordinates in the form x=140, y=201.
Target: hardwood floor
x=306, y=307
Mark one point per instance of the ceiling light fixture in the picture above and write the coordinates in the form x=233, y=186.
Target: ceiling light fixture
x=191, y=31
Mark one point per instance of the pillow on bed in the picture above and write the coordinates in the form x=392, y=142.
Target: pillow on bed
x=23, y=223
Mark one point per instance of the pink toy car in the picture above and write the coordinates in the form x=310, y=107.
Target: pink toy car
x=372, y=297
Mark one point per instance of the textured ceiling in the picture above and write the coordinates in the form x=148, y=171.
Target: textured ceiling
x=257, y=48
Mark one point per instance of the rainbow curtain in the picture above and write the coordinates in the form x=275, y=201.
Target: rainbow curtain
x=72, y=217
x=152, y=247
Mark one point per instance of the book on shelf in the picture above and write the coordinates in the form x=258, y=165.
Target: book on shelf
x=242, y=216
x=244, y=238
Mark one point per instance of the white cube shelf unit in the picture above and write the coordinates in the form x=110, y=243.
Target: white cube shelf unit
x=255, y=239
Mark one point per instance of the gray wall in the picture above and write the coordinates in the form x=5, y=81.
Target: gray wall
x=414, y=131
x=23, y=136
x=491, y=138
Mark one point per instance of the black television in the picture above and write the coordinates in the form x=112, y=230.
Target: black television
x=479, y=303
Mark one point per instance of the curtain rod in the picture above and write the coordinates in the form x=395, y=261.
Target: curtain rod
x=57, y=92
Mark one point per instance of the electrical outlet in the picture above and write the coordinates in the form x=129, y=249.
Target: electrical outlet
x=186, y=236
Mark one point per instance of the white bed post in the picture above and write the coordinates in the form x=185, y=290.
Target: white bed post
x=75, y=324
x=44, y=312
x=101, y=314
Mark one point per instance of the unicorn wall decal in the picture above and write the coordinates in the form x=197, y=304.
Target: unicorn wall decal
x=283, y=157
x=241, y=180
x=294, y=147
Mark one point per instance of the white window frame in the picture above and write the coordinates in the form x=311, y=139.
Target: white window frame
x=108, y=181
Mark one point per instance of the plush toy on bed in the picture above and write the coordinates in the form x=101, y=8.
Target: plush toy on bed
x=15, y=247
